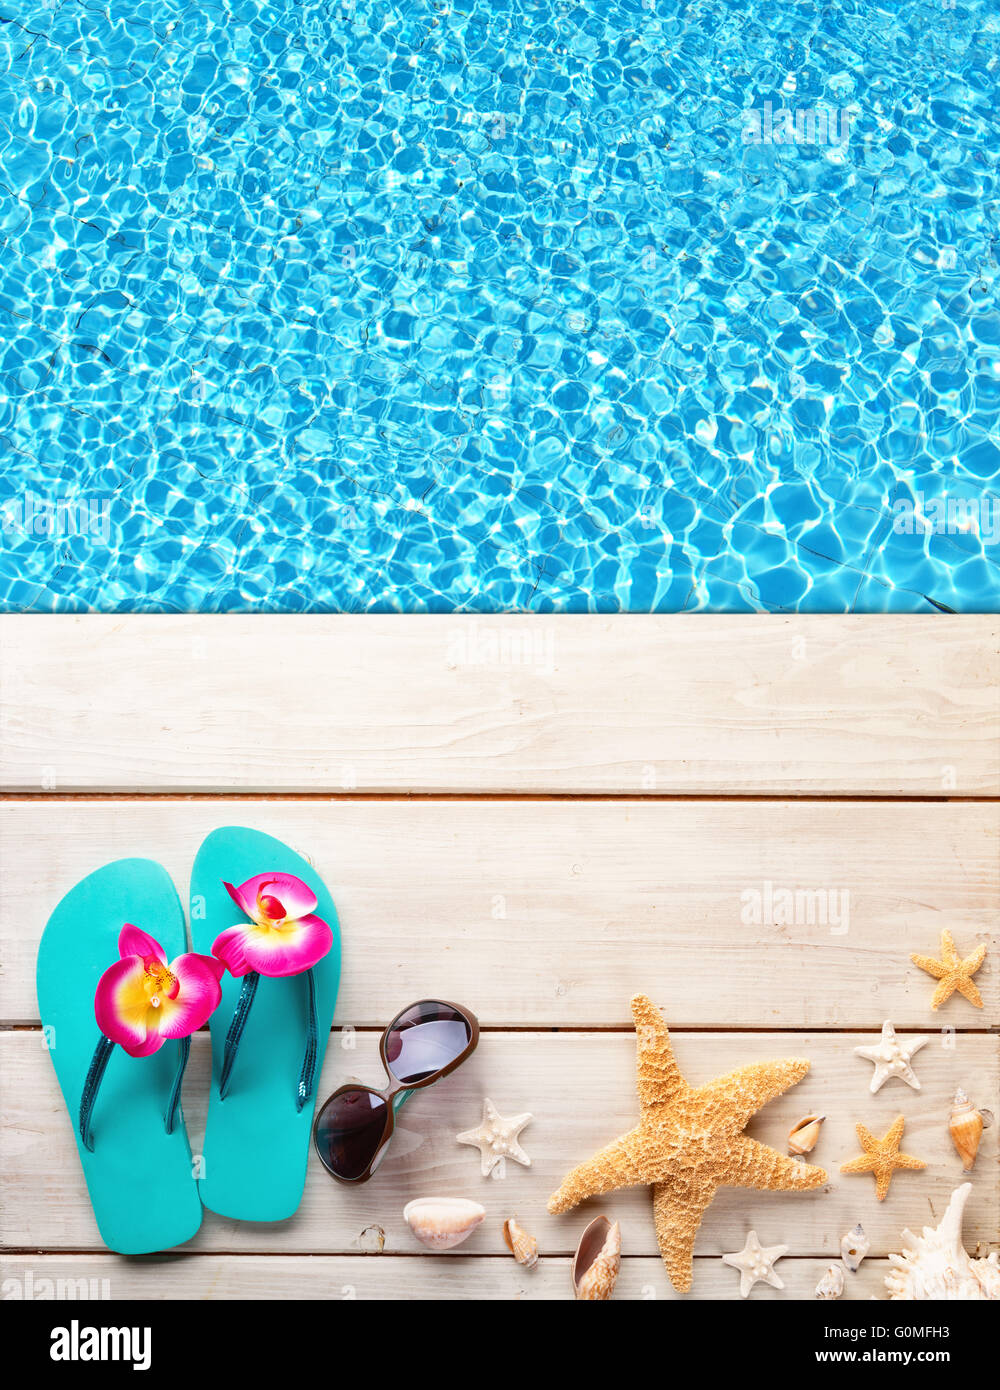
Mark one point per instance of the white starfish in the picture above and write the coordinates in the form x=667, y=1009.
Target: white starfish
x=496, y=1138
x=755, y=1262
x=892, y=1058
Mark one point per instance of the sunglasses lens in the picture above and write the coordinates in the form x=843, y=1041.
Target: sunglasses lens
x=348, y=1131
x=424, y=1040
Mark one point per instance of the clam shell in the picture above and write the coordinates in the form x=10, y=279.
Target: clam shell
x=965, y=1126
x=598, y=1259
x=832, y=1283
x=803, y=1134
x=441, y=1223
x=523, y=1247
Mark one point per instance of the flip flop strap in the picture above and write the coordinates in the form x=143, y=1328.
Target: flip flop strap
x=247, y=995
x=307, y=1076
x=307, y=1072
x=95, y=1075
x=173, y=1104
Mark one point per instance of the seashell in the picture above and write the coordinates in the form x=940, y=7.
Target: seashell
x=966, y=1129
x=803, y=1135
x=523, y=1247
x=372, y=1240
x=832, y=1283
x=854, y=1247
x=598, y=1259
x=442, y=1222
x=936, y=1264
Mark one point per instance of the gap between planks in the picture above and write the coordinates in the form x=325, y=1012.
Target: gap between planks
x=804, y=798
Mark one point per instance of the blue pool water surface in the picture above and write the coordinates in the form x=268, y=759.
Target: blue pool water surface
x=447, y=304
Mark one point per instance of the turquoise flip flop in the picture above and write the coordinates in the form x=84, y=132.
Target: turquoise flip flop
x=268, y=916
x=104, y=955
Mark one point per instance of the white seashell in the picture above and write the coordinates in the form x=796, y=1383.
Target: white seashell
x=597, y=1261
x=372, y=1240
x=523, y=1247
x=832, y=1283
x=442, y=1222
x=936, y=1265
x=854, y=1247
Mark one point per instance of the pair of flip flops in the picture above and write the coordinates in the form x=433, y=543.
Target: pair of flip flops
x=146, y=1189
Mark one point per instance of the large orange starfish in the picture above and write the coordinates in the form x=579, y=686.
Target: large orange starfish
x=881, y=1156
x=689, y=1142
x=953, y=973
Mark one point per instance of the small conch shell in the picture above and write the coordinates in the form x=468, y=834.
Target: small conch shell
x=803, y=1134
x=854, y=1247
x=966, y=1129
x=598, y=1259
x=832, y=1283
x=523, y=1247
x=442, y=1222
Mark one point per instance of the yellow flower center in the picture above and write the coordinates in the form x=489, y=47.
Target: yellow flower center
x=157, y=982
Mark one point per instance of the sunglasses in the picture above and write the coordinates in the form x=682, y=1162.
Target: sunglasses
x=421, y=1045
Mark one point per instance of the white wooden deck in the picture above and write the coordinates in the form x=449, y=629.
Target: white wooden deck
x=538, y=817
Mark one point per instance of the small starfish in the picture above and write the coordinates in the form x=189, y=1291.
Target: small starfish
x=952, y=972
x=892, y=1058
x=755, y=1262
x=689, y=1142
x=881, y=1156
x=496, y=1138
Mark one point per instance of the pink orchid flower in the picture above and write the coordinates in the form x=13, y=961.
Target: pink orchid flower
x=283, y=937
x=141, y=1001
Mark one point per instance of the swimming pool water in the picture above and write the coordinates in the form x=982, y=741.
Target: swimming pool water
x=459, y=305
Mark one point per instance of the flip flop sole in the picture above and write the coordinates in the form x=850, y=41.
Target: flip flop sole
x=140, y=1178
x=256, y=1142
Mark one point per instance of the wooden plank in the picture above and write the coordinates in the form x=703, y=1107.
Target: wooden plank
x=581, y=1089
x=553, y=913
x=585, y=704
x=346, y=1278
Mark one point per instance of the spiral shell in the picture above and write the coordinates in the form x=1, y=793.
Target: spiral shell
x=441, y=1223
x=965, y=1126
x=598, y=1260
x=936, y=1265
x=832, y=1283
x=523, y=1247
x=854, y=1247
x=803, y=1134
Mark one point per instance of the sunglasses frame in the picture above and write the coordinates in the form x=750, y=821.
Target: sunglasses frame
x=396, y=1094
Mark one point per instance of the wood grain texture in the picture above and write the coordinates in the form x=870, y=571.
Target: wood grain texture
x=452, y=1276
x=809, y=704
x=581, y=1090
x=553, y=913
